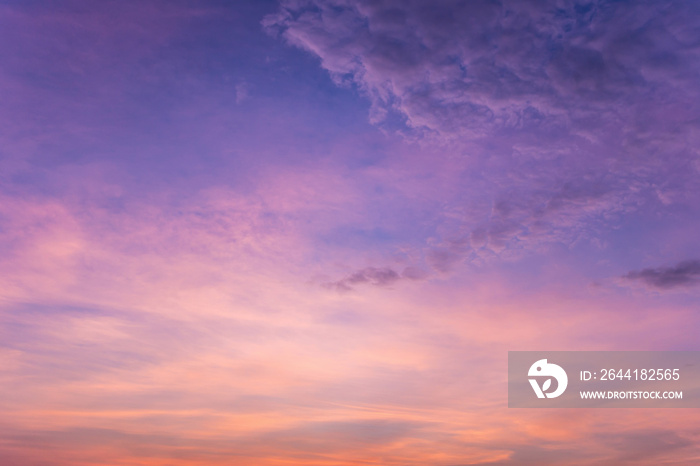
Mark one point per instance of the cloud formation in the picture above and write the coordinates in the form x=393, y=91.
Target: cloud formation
x=567, y=115
x=382, y=276
x=482, y=66
x=685, y=273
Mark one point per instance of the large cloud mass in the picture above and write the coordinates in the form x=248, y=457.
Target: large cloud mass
x=567, y=114
x=477, y=66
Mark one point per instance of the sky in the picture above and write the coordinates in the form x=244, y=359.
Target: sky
x=308, y=232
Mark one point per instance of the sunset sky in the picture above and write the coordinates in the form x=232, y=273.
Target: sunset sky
x=308, y=232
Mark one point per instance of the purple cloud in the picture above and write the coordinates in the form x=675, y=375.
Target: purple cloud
x=567, y=115
x=473, y=67
x=382, y=276
x=682, y=274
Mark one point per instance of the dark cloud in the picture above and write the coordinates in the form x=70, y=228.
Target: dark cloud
x=383, y=276
x=683, y=274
